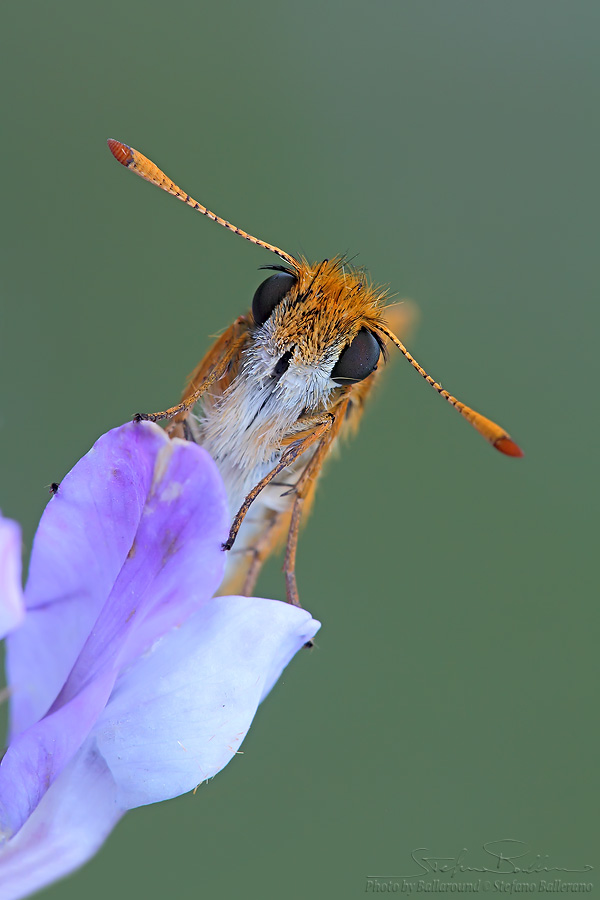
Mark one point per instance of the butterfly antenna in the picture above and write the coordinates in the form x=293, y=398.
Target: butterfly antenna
x=497, y=436
x=145, y=168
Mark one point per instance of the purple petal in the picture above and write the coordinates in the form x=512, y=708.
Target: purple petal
x=84, y=536
x=180, y=713
x=176, y=716
x=170, y=563
x=12, y=606
x=37, y=756
x=83, y=541
x=174, y=564
x=67, y=828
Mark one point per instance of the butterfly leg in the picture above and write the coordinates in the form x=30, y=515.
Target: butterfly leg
x=304, y=490
x=260, y=552
x=212, y=367
x=301, y=442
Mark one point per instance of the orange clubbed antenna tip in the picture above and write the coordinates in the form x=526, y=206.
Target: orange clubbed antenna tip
x=492, y=432
x=121, y=152
x=507, y=446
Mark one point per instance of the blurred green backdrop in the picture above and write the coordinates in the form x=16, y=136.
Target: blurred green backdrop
x=454, y=145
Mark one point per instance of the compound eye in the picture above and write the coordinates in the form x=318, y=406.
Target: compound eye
x=269, y=294
x=358, y=359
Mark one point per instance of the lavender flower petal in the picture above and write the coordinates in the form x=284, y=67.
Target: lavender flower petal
x=68, y=826
x=12, y=606
x=173, y=563
x=180, y=713
x=83, y=538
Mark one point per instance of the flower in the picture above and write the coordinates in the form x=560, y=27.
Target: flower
x=130, y=682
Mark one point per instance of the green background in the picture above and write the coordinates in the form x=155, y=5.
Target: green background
x=451, y=699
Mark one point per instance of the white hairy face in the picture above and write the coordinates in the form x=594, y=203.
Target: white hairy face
x=243, y=428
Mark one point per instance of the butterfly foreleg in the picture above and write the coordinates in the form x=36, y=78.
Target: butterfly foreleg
x=211, y=369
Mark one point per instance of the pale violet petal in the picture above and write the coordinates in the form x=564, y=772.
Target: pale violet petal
x=36, y=757
x=174, y=563
x=180, y=713
x=82, y=540
x=115, y=562
x=68, y=826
